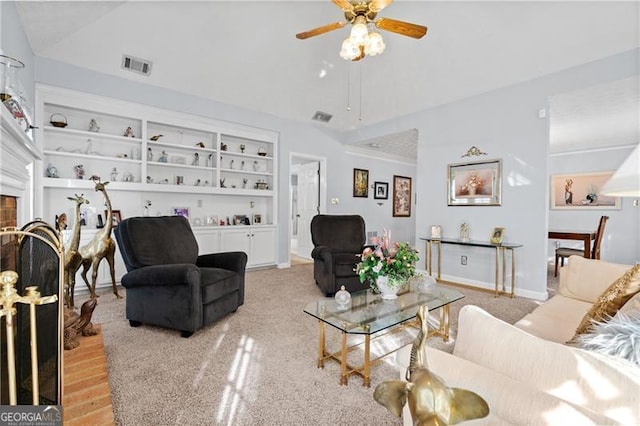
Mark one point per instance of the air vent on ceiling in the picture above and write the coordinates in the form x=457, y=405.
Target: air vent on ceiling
x=322, y=116
x=138, y=65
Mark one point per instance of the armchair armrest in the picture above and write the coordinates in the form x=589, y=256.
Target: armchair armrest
x=162, y=275
x=233, y=261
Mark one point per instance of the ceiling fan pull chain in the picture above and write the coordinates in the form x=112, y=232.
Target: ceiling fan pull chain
x=349, y=88
x=360, y=69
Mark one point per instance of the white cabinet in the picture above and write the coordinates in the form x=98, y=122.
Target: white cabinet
x=257, y=242
x=165, y=160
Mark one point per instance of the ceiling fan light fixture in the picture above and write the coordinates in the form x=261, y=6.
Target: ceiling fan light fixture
x=375, y=46
x=359, y=33
x=349, y=50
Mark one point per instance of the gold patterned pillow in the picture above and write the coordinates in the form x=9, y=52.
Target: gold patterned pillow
x=608, y=303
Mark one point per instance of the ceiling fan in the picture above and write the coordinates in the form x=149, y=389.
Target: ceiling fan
x=362, y=41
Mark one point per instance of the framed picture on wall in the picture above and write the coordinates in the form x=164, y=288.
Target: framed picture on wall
x=360, y=183
x=381, y=190
x=581, y=191
x=476, y=183
x=401, y=196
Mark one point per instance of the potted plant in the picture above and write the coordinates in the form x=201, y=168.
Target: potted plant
x=387, y=267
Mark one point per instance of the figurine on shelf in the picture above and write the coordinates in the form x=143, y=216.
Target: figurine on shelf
x=155, y=137
x=93, y=126
x=147, y=204
x=149, y=179
x=223, y=147
x=128, y=177
x=114, y=174
x=464, y=232
x=242, y=147
x=52, y=171
x=128, y=133
x=197, y=183
x=255, y=166
x=222, y=185
x=61, y=222
x=231, y=165
x=244, y=183
x=242, y=165
x=79, y=169
x=206, y=183
x=210, y=160
x=196, y=159
x=149, y=154
x=164, y=158
x=200, y=144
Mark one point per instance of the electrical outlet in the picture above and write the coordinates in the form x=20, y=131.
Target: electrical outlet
x=463, y=260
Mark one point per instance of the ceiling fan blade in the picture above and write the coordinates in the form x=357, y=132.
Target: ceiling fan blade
x=345, y=5
x=320, y=30
x=378, y=5
x=401, y=27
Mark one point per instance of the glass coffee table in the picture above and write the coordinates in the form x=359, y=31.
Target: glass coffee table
x=368, y=314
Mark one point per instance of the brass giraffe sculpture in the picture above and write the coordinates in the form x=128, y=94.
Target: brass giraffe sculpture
x=100, y=247
x=72, y=257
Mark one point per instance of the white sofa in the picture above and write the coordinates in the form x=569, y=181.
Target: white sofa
x=537, y=380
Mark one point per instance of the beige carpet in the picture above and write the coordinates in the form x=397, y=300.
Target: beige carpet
x=255, y=367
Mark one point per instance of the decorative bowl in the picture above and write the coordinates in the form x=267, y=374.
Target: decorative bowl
x=58, y=120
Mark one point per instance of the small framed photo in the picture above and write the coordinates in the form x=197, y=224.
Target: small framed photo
x=497, y=235
x=381, y=190
x=436, y=231
x=257, y=219
x=360, y=183
x=181, y=211
x=475, y=184
x=401, y=196
x=240, y=219
x=212, y=220
x=116, y=217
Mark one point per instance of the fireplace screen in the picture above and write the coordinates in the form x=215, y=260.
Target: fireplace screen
x=39, y=267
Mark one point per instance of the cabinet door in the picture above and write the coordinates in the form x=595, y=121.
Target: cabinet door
x=237, y=240
x=208, y=240
x=262, y=246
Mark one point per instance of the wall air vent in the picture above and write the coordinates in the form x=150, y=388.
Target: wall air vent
x=138, y=65
x=322, y=116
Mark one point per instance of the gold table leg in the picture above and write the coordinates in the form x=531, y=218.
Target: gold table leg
x=497, y=270
x=504, y=269
x=321, y=345
x=366, y=379
x=513, y=271
x=344, y=377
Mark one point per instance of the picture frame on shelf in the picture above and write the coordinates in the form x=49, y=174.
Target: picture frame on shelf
x=381, y=190
x=581, y=191
x=361, y=183
x=212, y=220
x=436, y=231
x=401, y=196
x=477, y=183
x=116, y=217
x=257, y=219
x=497, y=235
x=180, y=211
x=240, y=219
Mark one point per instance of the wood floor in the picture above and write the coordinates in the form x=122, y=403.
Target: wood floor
x=87, y=395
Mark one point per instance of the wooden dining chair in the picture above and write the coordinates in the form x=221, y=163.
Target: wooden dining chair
x=564, y=252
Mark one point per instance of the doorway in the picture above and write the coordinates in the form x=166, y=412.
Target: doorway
x=307, y=192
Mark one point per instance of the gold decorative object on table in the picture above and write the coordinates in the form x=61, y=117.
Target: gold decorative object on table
x=431, y=402
x=100, y=247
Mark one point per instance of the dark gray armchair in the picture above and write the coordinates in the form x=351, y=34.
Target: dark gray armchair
x=337, y=240
x=168, y=284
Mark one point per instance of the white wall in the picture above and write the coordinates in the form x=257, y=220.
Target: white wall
x=505, y=124
x=621, y=241
x=14, y=43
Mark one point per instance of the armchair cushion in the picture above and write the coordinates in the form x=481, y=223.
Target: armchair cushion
x=345, y=264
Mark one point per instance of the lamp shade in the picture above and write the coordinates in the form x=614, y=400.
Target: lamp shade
x=625, y=182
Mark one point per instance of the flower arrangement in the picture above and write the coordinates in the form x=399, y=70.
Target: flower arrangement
x=473, y=185
x=396, y=261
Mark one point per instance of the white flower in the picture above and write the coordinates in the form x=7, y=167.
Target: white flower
x=377, y=268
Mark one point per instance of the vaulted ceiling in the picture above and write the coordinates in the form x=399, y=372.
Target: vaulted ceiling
x=245, y=53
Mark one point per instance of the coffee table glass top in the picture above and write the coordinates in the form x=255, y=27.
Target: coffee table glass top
x=368, y=313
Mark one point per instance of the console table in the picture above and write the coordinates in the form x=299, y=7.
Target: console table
x=500, y=260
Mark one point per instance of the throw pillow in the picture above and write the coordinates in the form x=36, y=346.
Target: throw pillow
x=632, y=307
x=608, y=303
x=618, y=337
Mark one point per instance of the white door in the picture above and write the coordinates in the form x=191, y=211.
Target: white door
x=308, y=205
